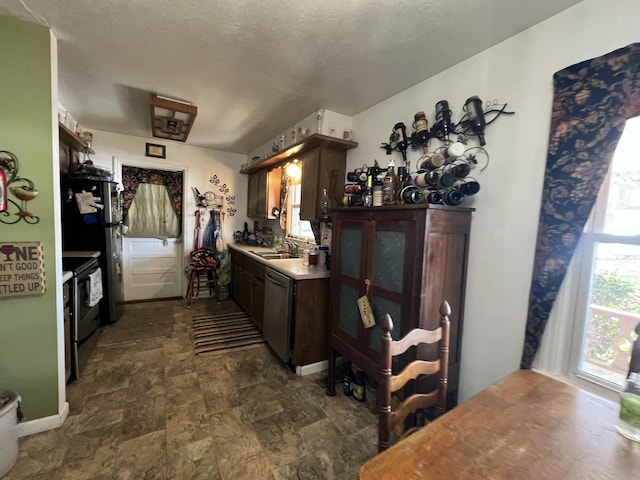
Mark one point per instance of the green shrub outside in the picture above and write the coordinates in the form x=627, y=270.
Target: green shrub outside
x=618, y=292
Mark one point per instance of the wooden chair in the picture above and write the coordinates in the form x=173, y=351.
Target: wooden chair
x=202, y=272
x=390, y=383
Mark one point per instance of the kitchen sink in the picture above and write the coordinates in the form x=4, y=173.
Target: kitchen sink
x=273, y=255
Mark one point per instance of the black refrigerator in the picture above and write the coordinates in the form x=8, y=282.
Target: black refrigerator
x=92, y=221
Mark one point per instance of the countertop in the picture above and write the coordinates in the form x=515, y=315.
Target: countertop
x=291, y=267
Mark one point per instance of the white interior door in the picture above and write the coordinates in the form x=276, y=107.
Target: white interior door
x=152, y=270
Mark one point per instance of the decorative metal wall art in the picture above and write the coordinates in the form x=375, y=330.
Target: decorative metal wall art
x=224, y=189
x=21, y=188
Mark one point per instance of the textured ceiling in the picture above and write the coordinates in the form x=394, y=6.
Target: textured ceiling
x=253, y=67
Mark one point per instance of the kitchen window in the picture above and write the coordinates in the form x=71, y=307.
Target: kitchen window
x=296, y=228
x=602, y=291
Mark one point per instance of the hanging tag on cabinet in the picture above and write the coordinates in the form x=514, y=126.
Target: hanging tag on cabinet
x=365, y=312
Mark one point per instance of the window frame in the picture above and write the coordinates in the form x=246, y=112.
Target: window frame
x=291, y=205
x=561, y=352
x=586, y=253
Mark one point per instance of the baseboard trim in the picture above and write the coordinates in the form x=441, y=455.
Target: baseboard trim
x=43, y=424
x=302, y=370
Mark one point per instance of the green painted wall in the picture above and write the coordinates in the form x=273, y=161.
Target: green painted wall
x=28, y=345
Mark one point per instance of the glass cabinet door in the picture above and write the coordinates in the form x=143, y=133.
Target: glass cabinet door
x=389, y=252
x=349, y=315
x=389, y=260
x=393, y=252
x=350, y=269
x=351, y=248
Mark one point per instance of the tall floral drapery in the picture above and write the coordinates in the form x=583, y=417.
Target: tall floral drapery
x=592, y=101
x=132, y=177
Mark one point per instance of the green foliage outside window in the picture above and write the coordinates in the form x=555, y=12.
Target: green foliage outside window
x=618, y=292
x=615, y=291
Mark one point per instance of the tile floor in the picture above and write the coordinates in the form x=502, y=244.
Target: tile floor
x=146, y=408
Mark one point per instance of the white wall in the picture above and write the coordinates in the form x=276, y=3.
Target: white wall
x=518, y=71
x=200, y=164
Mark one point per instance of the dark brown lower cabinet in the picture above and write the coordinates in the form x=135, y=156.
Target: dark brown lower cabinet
x=248, y=286
x=310, y=309
x=406, y=260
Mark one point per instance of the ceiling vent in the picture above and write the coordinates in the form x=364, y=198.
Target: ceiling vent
x=171, y=119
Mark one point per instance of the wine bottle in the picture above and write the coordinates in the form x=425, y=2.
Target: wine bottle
x=367, y=197
x=453, y=197
x=433, y=196
x=245, y=233
x=477, y=122
x=400, y=133
x=443, y=119
x=400, y=183
x=346, y=379
x=421, y=135
x=377, y=193
x=389, y=184
x=358, y=385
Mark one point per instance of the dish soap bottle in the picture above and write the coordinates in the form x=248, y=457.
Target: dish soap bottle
x=629, y=420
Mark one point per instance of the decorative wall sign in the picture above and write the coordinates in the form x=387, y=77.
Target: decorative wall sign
x=154, y=150
x=21, y=269
x=21, y=188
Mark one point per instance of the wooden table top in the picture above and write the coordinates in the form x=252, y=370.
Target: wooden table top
x=526, y=426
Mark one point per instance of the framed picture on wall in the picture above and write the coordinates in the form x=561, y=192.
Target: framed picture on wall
x=154, y=150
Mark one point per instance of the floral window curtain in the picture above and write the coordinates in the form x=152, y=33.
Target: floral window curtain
x=132, y=177
x=592, y=101
x=151, y=214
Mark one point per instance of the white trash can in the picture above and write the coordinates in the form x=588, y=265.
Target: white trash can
x=8, y=430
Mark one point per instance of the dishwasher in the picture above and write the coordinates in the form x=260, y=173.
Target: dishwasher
x=278, y=310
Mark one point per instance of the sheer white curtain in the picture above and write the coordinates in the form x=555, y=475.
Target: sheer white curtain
x=152, y=214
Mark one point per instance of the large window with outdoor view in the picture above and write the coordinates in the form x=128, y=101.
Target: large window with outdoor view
x=608, y=306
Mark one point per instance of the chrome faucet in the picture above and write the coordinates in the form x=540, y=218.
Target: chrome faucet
x=292, y=248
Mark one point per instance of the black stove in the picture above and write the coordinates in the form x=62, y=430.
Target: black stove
x=85, y=316
x=79, y=265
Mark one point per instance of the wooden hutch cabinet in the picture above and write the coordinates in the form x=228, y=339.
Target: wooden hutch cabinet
x=406, y=259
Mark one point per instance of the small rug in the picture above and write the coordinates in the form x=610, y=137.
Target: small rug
x=224, y=332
